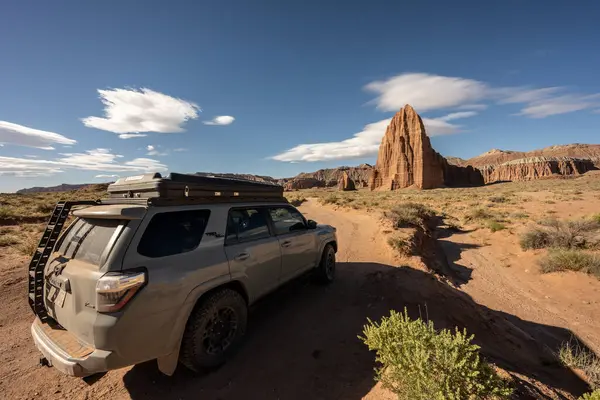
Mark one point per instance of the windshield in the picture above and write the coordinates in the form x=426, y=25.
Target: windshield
x=87, y=239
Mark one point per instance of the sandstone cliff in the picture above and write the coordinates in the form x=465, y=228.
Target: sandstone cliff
x=525, y=169
x=346, y=183
x=405, y=156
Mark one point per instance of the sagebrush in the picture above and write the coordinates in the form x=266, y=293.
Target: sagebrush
x=420, y=363
x=595, y=395
x=573, y=355
x=571, y=260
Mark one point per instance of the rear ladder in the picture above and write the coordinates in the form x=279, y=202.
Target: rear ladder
x=42, y=253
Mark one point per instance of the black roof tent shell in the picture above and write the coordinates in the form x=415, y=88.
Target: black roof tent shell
x=175, y=189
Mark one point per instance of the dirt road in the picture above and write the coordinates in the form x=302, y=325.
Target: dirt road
x=302, y=342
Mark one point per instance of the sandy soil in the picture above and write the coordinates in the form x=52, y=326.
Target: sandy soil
x=302, y=342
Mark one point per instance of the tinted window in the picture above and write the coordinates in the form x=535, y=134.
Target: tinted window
x=88, y=239
x=286, y=220
x=246, y=224
x=173, y=233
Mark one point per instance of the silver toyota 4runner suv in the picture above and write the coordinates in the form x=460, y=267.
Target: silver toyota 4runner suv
x=165, y=269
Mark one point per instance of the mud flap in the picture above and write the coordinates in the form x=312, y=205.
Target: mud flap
x=168, y=364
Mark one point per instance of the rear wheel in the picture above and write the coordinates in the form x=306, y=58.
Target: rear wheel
x=214, y=331
x=325, y=272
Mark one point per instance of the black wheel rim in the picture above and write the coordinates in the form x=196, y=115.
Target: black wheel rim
x=330, y=264
x=220, y=330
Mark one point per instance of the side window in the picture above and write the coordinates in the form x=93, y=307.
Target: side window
x=286, y=220
x=246, y=224
x=172, y=233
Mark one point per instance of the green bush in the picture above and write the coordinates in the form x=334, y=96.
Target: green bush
x=419, y=363
x=595, y=395
x=573, y=355
x=572, y=260
x=496, y=226
x=330, y=199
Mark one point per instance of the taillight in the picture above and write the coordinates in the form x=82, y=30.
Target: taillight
x=115, y=289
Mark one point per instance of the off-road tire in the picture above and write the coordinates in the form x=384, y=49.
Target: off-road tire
x=325, y=272
x=193, y=352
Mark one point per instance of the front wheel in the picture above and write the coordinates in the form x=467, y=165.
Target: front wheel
x=325, y=272
x=214, y=331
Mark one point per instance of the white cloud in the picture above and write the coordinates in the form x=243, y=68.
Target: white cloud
x=477, y=107
x=20, y=135
x=103, y=176
x=426, y=92
x=131, y=135
x=180, y=149
x=365, y=143
x=92, y=160
x=153, y=151
x=130, y=111
x=220, y=120
x=560, y=105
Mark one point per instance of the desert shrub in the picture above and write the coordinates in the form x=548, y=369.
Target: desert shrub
x=496, y=226
x=410, y=214
x=571, y=260
x=520, y=215
x=6, y=212
x=419, y=363
x=573, y=355
x=401, y=245
x=28, y=244
x=549, y=202
x=330, y=199
x=535, y=239
x=478, y=214
x=45, y=208
x=9, y=240
x=595, y=395
x=498, y=199
x=562, y=234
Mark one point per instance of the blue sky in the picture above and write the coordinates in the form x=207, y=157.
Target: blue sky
x=89, y=90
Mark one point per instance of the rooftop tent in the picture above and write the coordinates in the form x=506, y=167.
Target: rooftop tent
x=155, y=189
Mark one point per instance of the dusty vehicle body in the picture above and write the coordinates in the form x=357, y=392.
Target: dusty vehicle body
x=166, y=269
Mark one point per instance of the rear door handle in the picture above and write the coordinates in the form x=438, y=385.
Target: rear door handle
x=286, y=243
x=241, y=257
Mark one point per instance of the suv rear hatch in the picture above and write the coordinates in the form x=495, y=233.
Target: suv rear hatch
x=82, y=257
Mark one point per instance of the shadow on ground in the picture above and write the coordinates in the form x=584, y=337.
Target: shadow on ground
x=302, y=342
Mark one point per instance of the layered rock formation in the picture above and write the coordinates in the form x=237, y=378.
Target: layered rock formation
x=526, y=169
x=405, y=156
x=346, y=183
x=406, y=159
x=302, y=183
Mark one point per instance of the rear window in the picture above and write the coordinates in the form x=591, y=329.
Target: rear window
x=88, y=238
x=173, y=233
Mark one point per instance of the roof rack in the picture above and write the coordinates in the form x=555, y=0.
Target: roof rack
x=179, y=189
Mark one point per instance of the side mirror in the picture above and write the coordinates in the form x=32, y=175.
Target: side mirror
x=311, y=224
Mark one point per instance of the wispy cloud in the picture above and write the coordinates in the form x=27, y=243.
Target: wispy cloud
x=131, y=111
x=153, y=151
x=92, y=160
x=477, y=107
x=366, y=142
x=220, y=120
x=131, y=135
x=180, y=149
x=11, y=133
x=104, y=176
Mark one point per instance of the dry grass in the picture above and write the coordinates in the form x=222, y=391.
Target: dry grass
x=571, y=260
x=410, y=215
x=576, y=234
x=573, y=355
